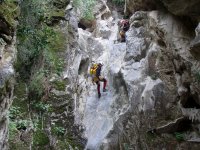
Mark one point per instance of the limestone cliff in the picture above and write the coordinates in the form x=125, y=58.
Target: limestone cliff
x=160, y=72
x=41, y=115
x=153, y=96
x=47, y=95
x=8, y=13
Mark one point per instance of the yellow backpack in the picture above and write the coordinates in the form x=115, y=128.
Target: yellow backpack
x=93, y=69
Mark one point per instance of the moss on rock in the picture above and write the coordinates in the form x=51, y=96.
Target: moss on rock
x=59, y=85
x=10, y=10
x=40, y=139
x=20, y=90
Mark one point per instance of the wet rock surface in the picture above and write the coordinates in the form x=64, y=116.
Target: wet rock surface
x=153, y=98
x=158, y=82
x=152, y=83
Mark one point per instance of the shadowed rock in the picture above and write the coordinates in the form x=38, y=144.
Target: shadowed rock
x=179, y=125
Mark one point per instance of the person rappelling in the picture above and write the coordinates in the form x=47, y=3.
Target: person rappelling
x=123, y=28
x=95, y=72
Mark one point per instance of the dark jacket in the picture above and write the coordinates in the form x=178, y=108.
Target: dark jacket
x=124, y=24
x=98, y=72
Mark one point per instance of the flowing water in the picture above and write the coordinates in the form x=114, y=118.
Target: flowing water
x=98, y=113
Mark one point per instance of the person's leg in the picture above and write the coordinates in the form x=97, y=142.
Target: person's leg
x=98, y=89
x=104, y=84
x=123, y=37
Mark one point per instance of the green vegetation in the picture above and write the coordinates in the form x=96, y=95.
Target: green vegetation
x=42, y=107
x=12, y=130
x=10, y=10
x=86, y=8
x=22, y=124
x=154, y=76
x=126, y=146
x=179, y=136
x=40, y=139
x=36, y=85
x=150, y=137
x=197, y=76
x=119, y=2
x=59, y=85
x=58, y=130
x=40, y=46
x=14, y=112
x=17, y=120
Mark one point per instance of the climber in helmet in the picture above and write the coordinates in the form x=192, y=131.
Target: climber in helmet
x=123, y=27
x=95, y=71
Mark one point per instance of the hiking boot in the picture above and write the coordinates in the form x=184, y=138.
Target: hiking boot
x=105, y=90
x=99, y=95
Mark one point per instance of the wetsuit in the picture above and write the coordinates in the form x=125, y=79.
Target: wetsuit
x=98, y=75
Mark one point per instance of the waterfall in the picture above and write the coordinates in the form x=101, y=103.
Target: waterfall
x=98, y=114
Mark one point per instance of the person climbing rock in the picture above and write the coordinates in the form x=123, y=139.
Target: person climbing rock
x=95, y=71
x=122, y=36
x=124, y=24
x=123, y=27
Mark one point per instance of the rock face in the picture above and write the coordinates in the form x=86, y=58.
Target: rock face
x=7, y=58
x=153, y=99
x=45, y=122
x=159, y=74
x=8, y=54
x=132, y=6
x=195, y=44
x=156, y=75
x=183, y=8
x=177, y=7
